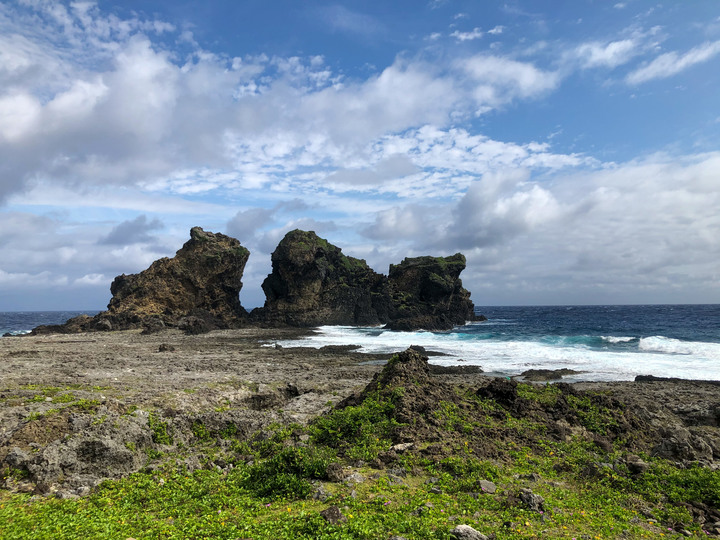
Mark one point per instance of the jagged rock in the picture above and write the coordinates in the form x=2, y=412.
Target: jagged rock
x=546, y=374
x=427, y=293
x=313, y=283
x=77, y=450
x=321, y=494
x=466, y=532
x=679, y=443
x=197, y=289
x=333, y=515
x=532, y=501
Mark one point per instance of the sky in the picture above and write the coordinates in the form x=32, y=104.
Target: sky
x=570, y=149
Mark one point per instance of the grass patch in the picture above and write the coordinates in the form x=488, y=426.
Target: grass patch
x=268, y=493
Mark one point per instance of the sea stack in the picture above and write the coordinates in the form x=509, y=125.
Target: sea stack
x=427, y=294
x=196, y=290
x=313, y=283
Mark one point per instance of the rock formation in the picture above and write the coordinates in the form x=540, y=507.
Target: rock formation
x=313, y=283
x=427, y=293
x=196, y=290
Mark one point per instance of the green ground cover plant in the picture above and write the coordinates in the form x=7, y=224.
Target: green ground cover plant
x=270, y=490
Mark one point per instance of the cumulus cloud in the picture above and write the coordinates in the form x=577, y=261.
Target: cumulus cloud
x=142, y=117
x=672, y=63
x=583, y=234
x=499, y=80
x=397, y=224
x=499, y=207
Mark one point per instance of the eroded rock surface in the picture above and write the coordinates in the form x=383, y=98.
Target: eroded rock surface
x=313, y=283
x=196, y=290
x=427, y=294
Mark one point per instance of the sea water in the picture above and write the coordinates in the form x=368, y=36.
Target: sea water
x=603, y=343
x=17, y=323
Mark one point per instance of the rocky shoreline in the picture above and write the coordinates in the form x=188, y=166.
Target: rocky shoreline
x=76, y=409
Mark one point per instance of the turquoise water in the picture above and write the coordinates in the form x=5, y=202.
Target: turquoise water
x=602, y=342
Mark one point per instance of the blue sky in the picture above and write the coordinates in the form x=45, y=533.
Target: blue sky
x=568, y=149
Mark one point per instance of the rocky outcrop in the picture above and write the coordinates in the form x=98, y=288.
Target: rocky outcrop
x=427, y=293
x=196, y=290
x=313, y=283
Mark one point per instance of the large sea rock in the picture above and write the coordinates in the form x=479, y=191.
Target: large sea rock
x=427, y=294
x=314, y=283
x=196, y=290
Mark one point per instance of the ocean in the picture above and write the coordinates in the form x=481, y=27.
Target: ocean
x=21, y=322
x=603, y=343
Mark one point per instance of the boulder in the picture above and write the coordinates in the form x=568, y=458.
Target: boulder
x=466, y=532
x=313, y=283
x=197, y=289
x=427, y=294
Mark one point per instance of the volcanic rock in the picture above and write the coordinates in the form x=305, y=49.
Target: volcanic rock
x=313, y=283
x=427, y=294
x=197, y=288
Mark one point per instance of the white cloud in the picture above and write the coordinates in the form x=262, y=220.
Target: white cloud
x=500, y=207
x=19, y=116
x=672, y=63
x=583, y=234
x=496, y=30
x=398, y=224
x=499, y=80
x=612, y=54
x=342, y=19
x=392, y=167
x=245, y=224
x=475, y=33
x=92, y=279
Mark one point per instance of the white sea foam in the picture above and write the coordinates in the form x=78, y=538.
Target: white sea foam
x=662, y=344
x=615, y=339
x=656, y=356
x=16, y=332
